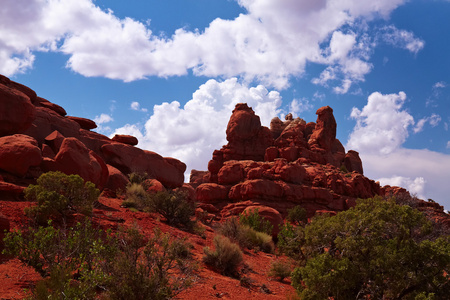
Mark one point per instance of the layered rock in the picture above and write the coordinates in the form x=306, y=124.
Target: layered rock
x=292, y=163
x=36, y=136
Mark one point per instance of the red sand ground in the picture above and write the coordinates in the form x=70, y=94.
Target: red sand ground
x=16, y=279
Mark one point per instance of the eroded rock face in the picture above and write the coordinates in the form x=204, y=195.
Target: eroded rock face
x=301, y=165
x=17, y=112
x=130, y=159
x=18, y=153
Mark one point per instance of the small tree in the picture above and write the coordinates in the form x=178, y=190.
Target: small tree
x=376, y=250
x=173, y=206
x=58, y=194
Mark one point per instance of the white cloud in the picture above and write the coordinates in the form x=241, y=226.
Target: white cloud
x=381, y=126
x=103, y=118
x=192, y=132
x=137, y=106
x=433, y=120
x=298, y=106
x=272, y=41
x=415, y=165
x=380, y=131
x=440, y=84
x=402, y=39
x=448, y=145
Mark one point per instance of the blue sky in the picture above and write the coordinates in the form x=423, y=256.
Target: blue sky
x=170, y=72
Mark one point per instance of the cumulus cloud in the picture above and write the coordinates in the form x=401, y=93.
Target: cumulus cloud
x=192, y=132
x=414, y=186
x=423, y=171
x=103, y=118
x=271, y=42
x=382, y=125
x=380, y=131
x=402, y=39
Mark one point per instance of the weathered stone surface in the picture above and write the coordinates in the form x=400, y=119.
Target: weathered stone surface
x=256, y=189
x=126, y=139
x=17, y=113
x=324, y=133
x=130, y=159
x=75, y=158
x=353, y=163
x=55, y=107
x=47, y=121
x=116, y=179
x=18, y=153
x=231, y=173
x=83, y=122
x=212, y=193
x=54, y=140
x=154, y=186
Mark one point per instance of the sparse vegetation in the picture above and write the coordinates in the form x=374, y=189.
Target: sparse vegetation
x=58, y=195
x=136, y=197
x=376, y=250
x=75, y=262
x=255, y=221
x=280, y=269
x=226, y=257
x=245, y=236
x=297, y=215
x=174, y=207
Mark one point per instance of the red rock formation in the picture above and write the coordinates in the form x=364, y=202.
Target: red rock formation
x=84, y=123
x=18, y=153
x=126, y=139
x=17, y=112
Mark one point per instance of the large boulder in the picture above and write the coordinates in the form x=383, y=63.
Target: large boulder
x=55, y=107
x=126, y=139
x=353, y=162
x=75, y=158
x=47, y=121
x=18, y=153
x=117, y=181
x=212, y=193
x=130, y=159
x=17, y=113
x=83, y=122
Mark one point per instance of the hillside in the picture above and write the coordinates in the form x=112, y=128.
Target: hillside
x=274, y=169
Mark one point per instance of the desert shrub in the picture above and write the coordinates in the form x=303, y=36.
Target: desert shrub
x=58, y=194
x=376, y=250
x=226, y=257
x=137, y=177
x=57, y=254
x=255, y=221
x=136, y=197
x=174, y=207
x=297, y=215
x=343, y=169
x=142, y=270
x=246, y=236
x=279, y=269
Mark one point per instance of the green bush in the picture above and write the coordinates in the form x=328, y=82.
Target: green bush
x=255, y=221
x=142, y=270
x=226, y=257
x=58, y=194
x=174, y=207
x=290, y=241
x=376, y=250
x=297, y=215
x=246, y=236
x=57, y=254
x=279, y=269
x=76, y=262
